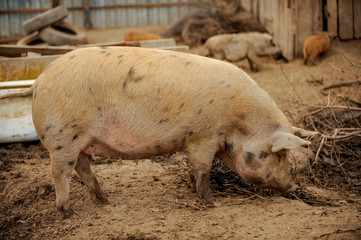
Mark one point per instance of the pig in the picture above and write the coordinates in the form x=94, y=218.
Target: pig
x=235, y=47
x=141, y=36
x=315, y=45
x=135, y=103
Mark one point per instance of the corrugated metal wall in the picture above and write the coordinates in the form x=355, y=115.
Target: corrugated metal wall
x=116, y=13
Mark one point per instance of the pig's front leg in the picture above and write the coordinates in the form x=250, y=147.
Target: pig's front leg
x=83, y=169
x=253, y=61
x=200, y=157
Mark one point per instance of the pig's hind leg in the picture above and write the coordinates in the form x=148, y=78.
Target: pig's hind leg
x=82, y=167
x=62, y=165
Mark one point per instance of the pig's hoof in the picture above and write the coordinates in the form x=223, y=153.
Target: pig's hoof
x=66, y=212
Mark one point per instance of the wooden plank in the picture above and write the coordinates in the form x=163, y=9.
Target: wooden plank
x=167, y=42
x=163, y=14
x=345, y=19
x=142, y=14
x=317, y=15
x=153, y=14
x=131, y=14
x=20, y=68
x=332, y=17
x=4, y=20
x=17, y=51
x=183, y=48
x=304, y=24
x=357, y=19
x=17, y=84
x=121, y=14
x=110, y=18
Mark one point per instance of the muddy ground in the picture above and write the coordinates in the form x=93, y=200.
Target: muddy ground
x=152, y=200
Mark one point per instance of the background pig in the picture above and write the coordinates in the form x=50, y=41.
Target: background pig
x=134, y=103
x=141, y=36
x=314, y=46
x=235, y=47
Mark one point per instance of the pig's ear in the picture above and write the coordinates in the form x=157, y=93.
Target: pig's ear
x=299, y=132
x=285, y=140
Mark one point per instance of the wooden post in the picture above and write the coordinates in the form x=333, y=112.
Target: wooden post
x=357, y=19
x=345, y=19
x=332, y=17
x=87, y=22
x=55, y=3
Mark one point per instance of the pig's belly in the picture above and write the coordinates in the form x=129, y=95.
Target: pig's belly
x=132, y=147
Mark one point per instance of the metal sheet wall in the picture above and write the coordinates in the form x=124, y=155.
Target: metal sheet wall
x=124, y=13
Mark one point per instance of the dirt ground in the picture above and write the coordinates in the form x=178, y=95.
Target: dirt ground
x=152, y=200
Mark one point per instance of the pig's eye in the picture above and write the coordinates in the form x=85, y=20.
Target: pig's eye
x=271, y=43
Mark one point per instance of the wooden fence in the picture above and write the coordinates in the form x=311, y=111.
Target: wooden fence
x=292, y=21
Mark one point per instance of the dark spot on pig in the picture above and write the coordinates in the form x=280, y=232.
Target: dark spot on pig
x=58, y=147
x=47, y=127
x=120, y=144
x=187, y=64
x=131, y=72
x=229, y=149
x=114, y=122
x=124, y=86
x=158, y=91
x=228, y=85
x=200, y=111
x=132, y=146
x=34, y=95
x=220, y=133
x=263, y=155
x=74, y=126
x=99, y=109
x=72, y=57
x=137, y=79
x=166, y=109
x=164, y=120
x=61, y=130
x=249, y=158
x=157, y=147
x=210, y=102
x=62, y=171
x=181, y=105
x=75, y=137
x=42, y=136
x=232, y=97
x=242, y=116
x=71, y=163
x=298, y=134
x=108, y=54
x=190, y=133
x=174, y=141
x=147, y=147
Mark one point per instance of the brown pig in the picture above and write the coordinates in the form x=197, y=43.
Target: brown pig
x=314, y=46
x=134, y=103
x=141, y=36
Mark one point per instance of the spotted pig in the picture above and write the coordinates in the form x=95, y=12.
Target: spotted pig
x=235, y=47
x=135, y=103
